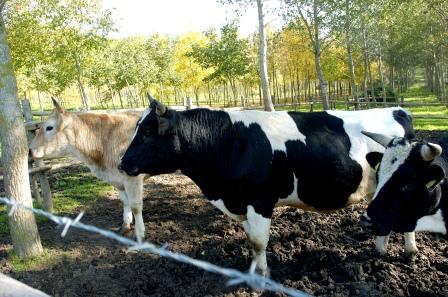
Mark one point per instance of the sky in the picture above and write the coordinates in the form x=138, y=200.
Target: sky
x=175, y=17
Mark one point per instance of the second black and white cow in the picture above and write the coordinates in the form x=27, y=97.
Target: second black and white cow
x=248, y=162
x=412, y=192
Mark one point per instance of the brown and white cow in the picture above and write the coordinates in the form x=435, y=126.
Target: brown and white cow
x=99, y=141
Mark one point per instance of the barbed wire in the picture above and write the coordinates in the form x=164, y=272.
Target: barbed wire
x=251, y=278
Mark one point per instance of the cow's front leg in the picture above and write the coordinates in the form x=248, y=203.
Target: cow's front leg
x=381, y=244
x=134, y=191
x=410, y=246
x=257, y=230
x=127, y=213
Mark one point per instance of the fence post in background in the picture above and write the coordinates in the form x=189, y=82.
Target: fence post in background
x=347, y=104
x=44, y=184
x=189, y=103
x=310, y=99
x=401, y=100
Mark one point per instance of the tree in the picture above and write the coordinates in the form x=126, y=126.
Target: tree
x=262, y=49
x=311, y=14
x=23, y=228
x=228, y=56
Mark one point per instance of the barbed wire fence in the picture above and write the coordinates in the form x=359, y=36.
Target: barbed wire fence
x=251, y=278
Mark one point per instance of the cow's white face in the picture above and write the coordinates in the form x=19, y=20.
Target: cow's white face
x=407, y=186
x=52, y=139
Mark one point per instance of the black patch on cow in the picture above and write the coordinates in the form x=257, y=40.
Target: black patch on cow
x=326, y=174
x=405, y=120
x=374, y=158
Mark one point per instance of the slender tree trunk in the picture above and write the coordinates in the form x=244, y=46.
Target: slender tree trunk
x=348, y=43
x=40, y=101
x=380, y=70
x=84, y=98
x=262, y=60
x=22, y=224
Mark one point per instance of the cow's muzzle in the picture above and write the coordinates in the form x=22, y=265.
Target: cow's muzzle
x=133, y=171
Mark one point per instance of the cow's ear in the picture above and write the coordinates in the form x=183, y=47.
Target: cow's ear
x=57, y=106
x=374, y=159
x=167, y=122
x=434, y=175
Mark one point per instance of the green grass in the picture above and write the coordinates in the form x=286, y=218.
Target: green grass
x=419, y=93
x=47, y=259
x=72, y=192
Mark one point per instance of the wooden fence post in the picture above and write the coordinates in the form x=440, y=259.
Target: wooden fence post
x=43, y=179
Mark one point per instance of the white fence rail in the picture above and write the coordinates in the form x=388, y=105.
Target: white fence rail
x=251, y=278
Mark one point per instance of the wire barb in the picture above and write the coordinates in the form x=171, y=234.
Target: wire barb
x=236, y=277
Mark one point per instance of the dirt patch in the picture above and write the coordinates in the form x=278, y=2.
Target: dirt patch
x=322, y=254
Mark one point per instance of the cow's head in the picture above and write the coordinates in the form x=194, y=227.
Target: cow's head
x=408, y=184
x=52, y=139
x=155, y=147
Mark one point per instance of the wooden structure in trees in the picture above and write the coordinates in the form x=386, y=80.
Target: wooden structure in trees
x=37, y=169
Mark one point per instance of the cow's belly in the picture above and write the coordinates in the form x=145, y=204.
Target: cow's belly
x=365, y=190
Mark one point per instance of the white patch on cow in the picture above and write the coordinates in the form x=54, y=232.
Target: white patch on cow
x=278, y=126
x=410, y=246
x=393, y=158
x=377, y=120
x=257, y=229
x=219, y=204
x=433, y=223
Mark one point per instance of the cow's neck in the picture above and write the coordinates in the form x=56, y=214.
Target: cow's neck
x=200, y=134
x=85, y=145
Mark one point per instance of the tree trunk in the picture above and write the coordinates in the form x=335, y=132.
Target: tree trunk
x=85, y=100
x=262, y=60
x=351, y=65
x=380, y=70
x=22, y=224
x=317, y=53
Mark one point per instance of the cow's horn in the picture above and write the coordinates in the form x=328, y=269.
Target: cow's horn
x=160, y=109
x=430, y=151
x=56, y=105
x=150, y=99
x=384, y=140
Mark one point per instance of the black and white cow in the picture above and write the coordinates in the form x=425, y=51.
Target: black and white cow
x=412, y=191
x=248, y=162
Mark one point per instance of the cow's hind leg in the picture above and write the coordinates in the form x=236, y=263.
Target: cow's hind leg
x=257, y=230
x=127, y=213
x=134, y=191
x=410, y=246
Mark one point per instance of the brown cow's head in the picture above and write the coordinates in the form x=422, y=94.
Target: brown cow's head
x=52, y=139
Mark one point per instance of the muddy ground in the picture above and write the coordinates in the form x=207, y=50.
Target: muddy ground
x=322, y=254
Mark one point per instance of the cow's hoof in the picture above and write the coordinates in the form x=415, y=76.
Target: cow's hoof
x=365, y=221
x=411, y=254
x=380, y=252
x=125, y=231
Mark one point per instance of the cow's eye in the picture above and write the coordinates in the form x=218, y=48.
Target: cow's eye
x=49, y=128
